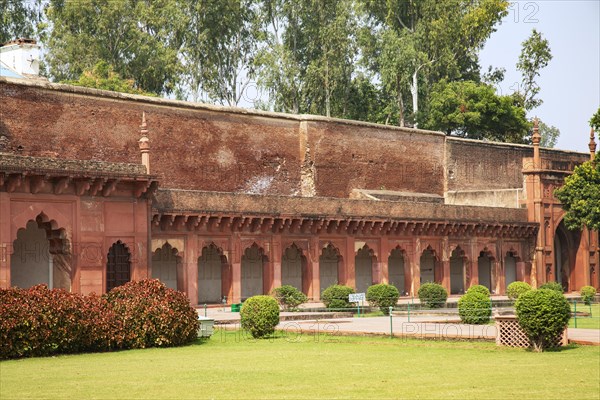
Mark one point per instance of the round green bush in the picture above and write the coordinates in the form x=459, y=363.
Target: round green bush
x=336, y=296
x=289, y=297
x=587, y=294
x=432, y=295
x=479, y=289
x=543, y=315
x=552, y=286
x=383, y=296
x=515, y=289
x=475, y=308
x=260, y=315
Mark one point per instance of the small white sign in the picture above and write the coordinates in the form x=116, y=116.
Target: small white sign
x=356, y=297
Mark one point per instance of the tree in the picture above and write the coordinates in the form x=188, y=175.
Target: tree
x=19, y=19
x=473, y=110
x=535, y=55
x=548, y=133
x=580, y=196
x=595, y=121
x=306, y=62
x=421, y=42
x=102, y=76
x=220, y=43
x=139, y=39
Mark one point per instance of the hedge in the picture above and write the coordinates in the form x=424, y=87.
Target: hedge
x=383, y=296
x=516, y=289
x=432, y=295
x=552, y=286
x=289, y=297
x=475, y=308
x=336, y=296
x=587, y=294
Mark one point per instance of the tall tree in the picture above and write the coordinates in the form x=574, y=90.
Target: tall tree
x=474, y=110
x=139, y=39
x=19, y=19
x=535, y=55
x=580, y=196
x=220, y=43
x=432, y=40
x=307, y=61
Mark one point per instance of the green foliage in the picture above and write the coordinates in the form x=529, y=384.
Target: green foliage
x=432, y=295
x=475, y=308
x=474, y=110
x=552, y=286
x=336, y=296
x=479, y=289
x=102, y=76
x=548, y=133
x=260, y=315
x=595, y=121
x=516, y=289
x=153, y=314
x=383, y=296
x=289, y=297
x=18, y=19
x=139, y=39
x=535, y=55
x=543, y=314
x=588, y=293
x=580, y=196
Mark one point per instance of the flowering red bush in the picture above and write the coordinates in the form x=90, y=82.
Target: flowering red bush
x=153, y=315
x=40, y=322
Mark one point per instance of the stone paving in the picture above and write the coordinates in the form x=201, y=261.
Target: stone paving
x=420, y=326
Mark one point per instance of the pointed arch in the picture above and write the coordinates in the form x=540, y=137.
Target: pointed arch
x=457, y=271
x=253, y=262
x=294, y=267
x=364, y=260
x=118, y=265
x=329, y=266
x=41, y=254
x=166, y=264
x=484, y=269
x=212, y=267
x=429, y=266
x=398, y=270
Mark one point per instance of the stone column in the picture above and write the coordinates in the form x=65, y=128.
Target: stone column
x=348, y=276
x=5, y=240
x=384, y=253
x=190, y=265
x=415, y=267
x=236, y=269
x=446, y=264
x=314, y=251
x=276, y=254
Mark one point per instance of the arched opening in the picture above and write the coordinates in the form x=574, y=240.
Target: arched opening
x=396, y=270
x=484, y=269
x=510, y=268
x=363, y=267
x=457, y=271
x=293, y=266
x=427, y=264
x=328, y=267
x=118, y=266
x=211, y=265
x=253, y=262
x=165, y=265
x=41, y=255
x=564, y=256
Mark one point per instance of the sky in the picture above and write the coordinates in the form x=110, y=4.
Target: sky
x=570, y=84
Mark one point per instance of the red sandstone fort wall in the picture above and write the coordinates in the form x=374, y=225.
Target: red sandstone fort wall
x=218, y=149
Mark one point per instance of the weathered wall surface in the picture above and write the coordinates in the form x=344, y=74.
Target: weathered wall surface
x=350, y=157
x=190, y=148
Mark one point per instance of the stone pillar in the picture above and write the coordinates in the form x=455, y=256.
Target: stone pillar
x=446, y=264
x=384, y=254
x=236, y=269
x=276, y=255
x=473, y=265
x=190, y=266
x=348, y=275
x=6, y=240
x=314, y=252
x=415, y=267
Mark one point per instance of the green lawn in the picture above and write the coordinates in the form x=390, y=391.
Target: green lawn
x=230, y=367
x=592, y=322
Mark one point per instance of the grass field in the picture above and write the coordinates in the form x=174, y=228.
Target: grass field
x=230, y=366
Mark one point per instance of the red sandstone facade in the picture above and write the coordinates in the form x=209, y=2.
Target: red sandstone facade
x=228, y=203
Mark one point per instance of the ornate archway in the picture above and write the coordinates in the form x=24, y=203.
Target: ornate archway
x=118, y=265
x=293, y=267
x=211, y=266
x=329, y=262
x=165, y=264
x=363, y=267
x=253, y=262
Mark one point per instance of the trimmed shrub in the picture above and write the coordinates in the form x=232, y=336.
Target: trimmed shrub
x=587, y=294
x=552, y=286
x=260, y=315
x=383, y=296
x=153, y=315
x=543, y=315
x=336, y=296
x=475, y=308
x=289, y=297
x=432, y=295
x=515, y=289
x=479, y=289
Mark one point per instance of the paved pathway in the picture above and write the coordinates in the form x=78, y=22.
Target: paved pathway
x=424, y=326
